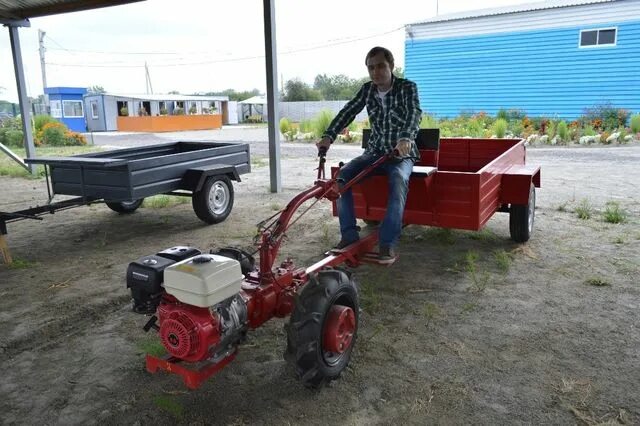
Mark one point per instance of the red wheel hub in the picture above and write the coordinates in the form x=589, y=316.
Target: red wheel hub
x=339, y=329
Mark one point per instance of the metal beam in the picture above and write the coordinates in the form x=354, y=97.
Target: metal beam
x=22, y=94
x=272, y=94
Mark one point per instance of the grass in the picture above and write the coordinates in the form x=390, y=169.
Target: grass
x=484, y=235
x=613, y=213
x=8, y=167
x=20, y=264
x=503, y=260
x=597, y=282
x=619, y=240
x=258, y=162
x=479, y=282
x=162, y=201
x=430, y=311
x=562, y=207
x=468, y=307
x=169, y=404
x=152, y=346
x=441, y=236
x=584, y=209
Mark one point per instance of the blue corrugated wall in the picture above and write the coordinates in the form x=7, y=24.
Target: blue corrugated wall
x=542, y=72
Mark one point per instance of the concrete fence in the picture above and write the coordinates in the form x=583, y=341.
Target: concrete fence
x=307, y=110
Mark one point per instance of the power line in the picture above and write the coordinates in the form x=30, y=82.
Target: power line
x=337, y=42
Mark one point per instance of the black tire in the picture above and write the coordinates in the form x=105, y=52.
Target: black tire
x=305, y=332
x=521, y=218
x=124, y=207
x=213, y=203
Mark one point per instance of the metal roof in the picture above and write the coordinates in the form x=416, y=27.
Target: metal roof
x=18, y=10
x=518, y=8
x=162, y=97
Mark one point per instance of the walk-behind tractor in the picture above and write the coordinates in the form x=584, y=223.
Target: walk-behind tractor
x=203, y=304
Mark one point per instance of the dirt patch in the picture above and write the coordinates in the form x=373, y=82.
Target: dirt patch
x=467, y=327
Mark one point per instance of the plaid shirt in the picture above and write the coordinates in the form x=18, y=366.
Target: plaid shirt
x=398, y=119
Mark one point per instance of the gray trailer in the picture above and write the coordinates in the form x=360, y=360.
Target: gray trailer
x=123, y=178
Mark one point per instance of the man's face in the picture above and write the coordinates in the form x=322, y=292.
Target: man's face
x=379, y=70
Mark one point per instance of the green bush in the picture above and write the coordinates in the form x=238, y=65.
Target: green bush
x=605, y=117
x=613, y=213
x=40, y=120
x=306, y=126
x=502, y=114
x=14, y=138
x=285, y=125
x=321, y=122
x=635, y=123
x=499, y=128
x=53, y=136
x=589, y=131
x=562, y=131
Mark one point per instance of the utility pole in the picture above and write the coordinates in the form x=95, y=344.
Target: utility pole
x=148, y=78
x=41, y=49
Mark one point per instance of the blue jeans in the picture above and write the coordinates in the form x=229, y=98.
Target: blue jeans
x=398, y=174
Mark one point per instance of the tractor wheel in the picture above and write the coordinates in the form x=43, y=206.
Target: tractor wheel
x=521, y=218
x=323, y=327
x=124, y=206
x=214, y=201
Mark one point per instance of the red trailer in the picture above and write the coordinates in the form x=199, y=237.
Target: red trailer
x=460, y=183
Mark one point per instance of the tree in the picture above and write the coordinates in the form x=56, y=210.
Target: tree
x=96, y=90
x=297, y=90
x=398, y=72
x=337, y=87
x=234, y=95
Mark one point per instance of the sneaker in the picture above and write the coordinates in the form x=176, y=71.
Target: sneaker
x=387, y=255
x=344, y=243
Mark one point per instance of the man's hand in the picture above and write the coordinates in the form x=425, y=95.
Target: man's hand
x=324, y=143
x=403, y=146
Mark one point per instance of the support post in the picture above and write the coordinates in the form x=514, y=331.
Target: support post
x=22, y=93
x=4, y=248
x=272, y=94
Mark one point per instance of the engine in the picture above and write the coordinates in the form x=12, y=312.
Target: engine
x=200, y=311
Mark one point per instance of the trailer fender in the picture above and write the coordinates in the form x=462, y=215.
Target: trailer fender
x=516, y=182
x=194, y=178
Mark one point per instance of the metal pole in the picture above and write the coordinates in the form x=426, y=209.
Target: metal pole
x=22, y=94
x=272, y=94
x=41, y=49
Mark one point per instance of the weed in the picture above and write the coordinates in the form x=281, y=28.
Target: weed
x=162, y=201
x=20, y=264
x=562, y=207
x=169, y=405
x=469, y=307
x=597, y=282
x=370, y=297
x=258, y=161
x=635, y=123
x=503, y=260
x=442, y=236
x=562, y=131
x=275, y=207
x=613, y=213
x=619, y=240
x=471, y=266
x=483, y=235
x=584, y=209
x=326, y=235
x=430, y=311
x=151, y=346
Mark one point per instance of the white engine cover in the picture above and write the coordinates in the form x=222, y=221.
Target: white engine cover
x=203, y=280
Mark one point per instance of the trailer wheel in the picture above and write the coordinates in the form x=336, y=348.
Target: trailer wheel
x=213, y=203
x=323, y=327
x=124, y=206
x=521, y=218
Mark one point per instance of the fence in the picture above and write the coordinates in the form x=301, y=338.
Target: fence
x=307, y=110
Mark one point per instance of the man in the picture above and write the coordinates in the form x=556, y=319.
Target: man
x=394, y=114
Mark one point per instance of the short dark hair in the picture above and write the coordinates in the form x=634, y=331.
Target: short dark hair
x=388, y=56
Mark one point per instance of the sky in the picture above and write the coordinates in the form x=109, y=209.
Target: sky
x=199, y=46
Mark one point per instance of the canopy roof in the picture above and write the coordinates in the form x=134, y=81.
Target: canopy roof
x=19, y=10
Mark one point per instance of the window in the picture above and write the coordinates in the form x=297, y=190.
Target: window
x=72, y=109
x=94, y=109
x=56, y=109
x=599, y=37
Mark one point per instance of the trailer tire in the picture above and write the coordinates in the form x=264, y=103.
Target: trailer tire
x=213, y=203
x=312, y=327
x=124, y=207
x=521, y=218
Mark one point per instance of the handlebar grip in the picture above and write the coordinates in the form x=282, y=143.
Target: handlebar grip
x=322, y=151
